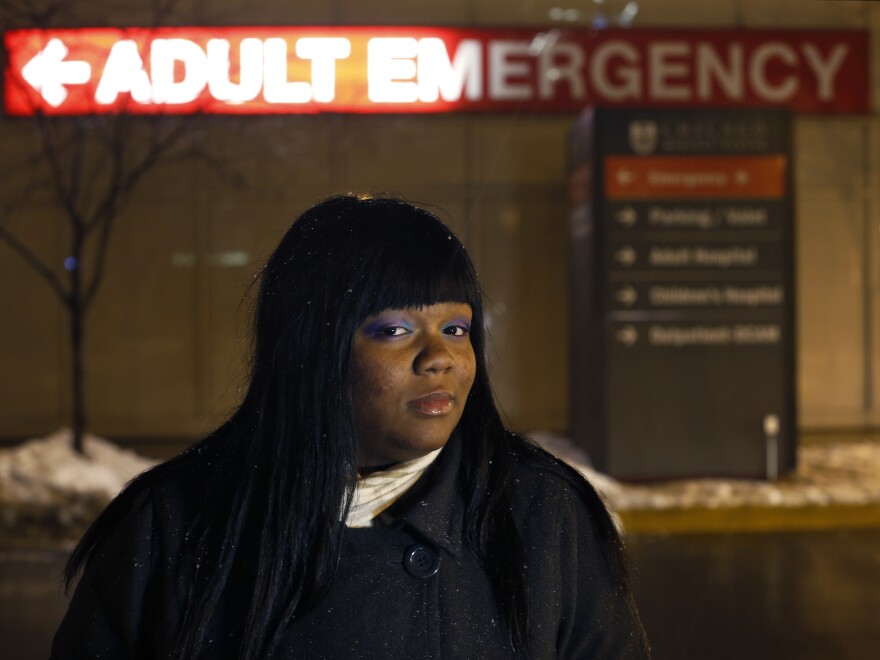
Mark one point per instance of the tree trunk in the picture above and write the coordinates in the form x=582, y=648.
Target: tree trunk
x=77, y=319
x=78, y=375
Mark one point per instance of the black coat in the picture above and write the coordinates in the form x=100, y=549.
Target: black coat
x=410, y=589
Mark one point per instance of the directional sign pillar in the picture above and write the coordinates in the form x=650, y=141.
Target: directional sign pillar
x=682, y=307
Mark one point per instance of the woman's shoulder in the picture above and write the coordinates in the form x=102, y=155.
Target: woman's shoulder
x=575, y=558
x=535, y=469
x=183, y=485
x=547, y=494
x=158, y=504
x=168, y=487
x=129, y=556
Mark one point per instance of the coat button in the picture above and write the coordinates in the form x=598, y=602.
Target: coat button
x=421, y=562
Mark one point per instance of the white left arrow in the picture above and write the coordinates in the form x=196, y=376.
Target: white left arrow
x=48, y=73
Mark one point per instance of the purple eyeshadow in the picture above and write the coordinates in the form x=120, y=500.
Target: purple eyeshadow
x=379, y=324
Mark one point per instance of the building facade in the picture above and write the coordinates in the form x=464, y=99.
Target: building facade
x=167, y=335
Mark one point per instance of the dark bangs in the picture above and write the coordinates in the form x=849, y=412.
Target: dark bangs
x=410, y=271
x=402, y=256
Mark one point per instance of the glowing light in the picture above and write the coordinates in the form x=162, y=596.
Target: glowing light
x=70, y=264
x=542, y=41
x=164, y=56
x=292, y=70
x=323, y=53
x=628, y=14
x=251, y=70
x=124, y=73
x=48, y=73
x=440, y=77
x=230, y=259
x=391, y=70
x=277, y=89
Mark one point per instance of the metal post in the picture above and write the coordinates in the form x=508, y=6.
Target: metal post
x=771, y=438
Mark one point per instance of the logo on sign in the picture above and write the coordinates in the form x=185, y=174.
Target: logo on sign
x=643, y=137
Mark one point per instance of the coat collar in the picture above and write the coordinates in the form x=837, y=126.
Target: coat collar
x=433, y=508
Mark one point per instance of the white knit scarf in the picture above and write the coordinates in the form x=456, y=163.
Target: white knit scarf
x=379, y=490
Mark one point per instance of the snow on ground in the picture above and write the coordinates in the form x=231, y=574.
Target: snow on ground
x=846, y=473
x=45, y=484
x=49, y=491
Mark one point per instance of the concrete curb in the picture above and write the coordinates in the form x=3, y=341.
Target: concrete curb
x=703, y=520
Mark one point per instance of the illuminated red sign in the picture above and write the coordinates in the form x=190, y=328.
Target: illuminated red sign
x=284, y=70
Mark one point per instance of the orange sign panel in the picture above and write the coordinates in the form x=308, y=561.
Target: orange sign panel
x=683, y=177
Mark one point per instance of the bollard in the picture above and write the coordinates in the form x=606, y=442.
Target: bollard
x=771, y=439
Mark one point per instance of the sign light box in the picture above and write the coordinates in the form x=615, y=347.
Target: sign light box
x=283, y=70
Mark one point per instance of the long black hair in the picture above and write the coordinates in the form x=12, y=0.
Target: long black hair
x=279, y=474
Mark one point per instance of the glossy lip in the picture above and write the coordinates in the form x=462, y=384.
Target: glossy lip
x=434, y=404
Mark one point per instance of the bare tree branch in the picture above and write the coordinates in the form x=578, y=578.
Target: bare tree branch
x=22, y=166
x=161, y=10
x=117, y=196
x=35, y=262
x=25, y=193
x=218, y=167
x=108, y=208
x=12, y=205
x=26, y=14
x=54, y=159
x=100, y=259
x=77, y=163
x=159, y=147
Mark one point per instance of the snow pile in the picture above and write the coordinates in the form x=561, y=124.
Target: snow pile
x=45, y=483
x=49, y=491
x=837, y=474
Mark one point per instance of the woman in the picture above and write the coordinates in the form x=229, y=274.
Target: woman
x=365, y=500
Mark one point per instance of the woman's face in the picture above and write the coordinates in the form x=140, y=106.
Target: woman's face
x=413, y=370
